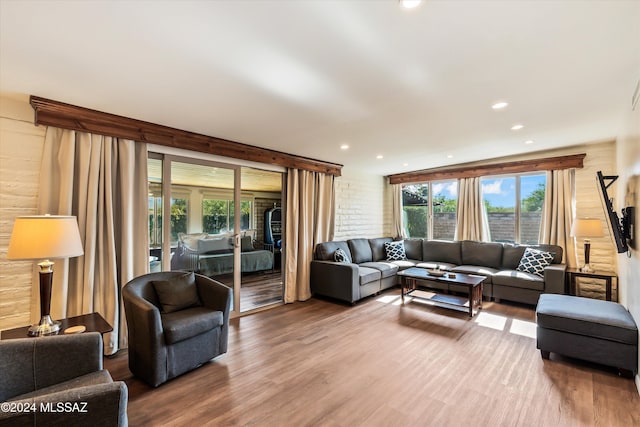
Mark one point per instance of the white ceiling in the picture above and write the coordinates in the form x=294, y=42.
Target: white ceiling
x=305, y=77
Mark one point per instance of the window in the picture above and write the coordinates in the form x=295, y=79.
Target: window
x=218, y=217
x=430, y=217
x=514, y=206
x=155, y=215
x=179, y=216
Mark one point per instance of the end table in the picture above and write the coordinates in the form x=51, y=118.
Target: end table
x=607, y=276
x=93, y=322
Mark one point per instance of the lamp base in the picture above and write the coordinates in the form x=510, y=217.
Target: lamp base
x=586, y=269
x=45, y=327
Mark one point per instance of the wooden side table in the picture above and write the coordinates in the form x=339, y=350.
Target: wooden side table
x=607, y=276
x=93, y=322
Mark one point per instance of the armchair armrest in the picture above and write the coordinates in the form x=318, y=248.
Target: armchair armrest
x=146, y=336
x=216, y=296
x=102, y=403
x=335, y=279
x=554, y=279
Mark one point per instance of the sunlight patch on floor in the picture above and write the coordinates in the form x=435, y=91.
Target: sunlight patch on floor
x=520, y=327
x=492, y=321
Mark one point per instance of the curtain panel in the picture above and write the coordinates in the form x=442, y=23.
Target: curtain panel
x=103, y=182
x=472, y=222
x=397, y=214
x=558, y=212
x=309, y=219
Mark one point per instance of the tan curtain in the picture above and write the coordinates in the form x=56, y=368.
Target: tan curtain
x=103, y=182
x=397, y=215
x=558, y=212
x=309, y=220
x=472, y=222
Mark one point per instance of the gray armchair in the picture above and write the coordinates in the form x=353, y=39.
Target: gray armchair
x=59, y=380
x=177, y=321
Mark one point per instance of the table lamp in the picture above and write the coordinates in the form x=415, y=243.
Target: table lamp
x=43, y=238
x=586, y=227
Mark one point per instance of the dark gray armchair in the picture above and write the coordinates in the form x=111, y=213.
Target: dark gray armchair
x=59, y=381
x=177, y=321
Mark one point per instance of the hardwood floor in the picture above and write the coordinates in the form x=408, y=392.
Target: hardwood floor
x=257, y=289
x=320, y=363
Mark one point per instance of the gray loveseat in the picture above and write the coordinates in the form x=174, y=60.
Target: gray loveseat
x=370, y=272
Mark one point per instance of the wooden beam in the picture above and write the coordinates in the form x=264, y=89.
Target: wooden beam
x=67, y=116
x=533, y=165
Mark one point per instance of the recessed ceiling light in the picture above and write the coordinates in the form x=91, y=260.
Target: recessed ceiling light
x=499, y=105
x=517, y=127
x=529, y=141
x=379, y=156
x=449, y=156
x=409, y=4
x=405, y=164
x=344, y=147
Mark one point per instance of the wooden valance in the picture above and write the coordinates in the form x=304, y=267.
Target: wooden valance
x=521, y=166
x=67, y=116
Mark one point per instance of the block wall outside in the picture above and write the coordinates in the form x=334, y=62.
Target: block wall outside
x=21, y=145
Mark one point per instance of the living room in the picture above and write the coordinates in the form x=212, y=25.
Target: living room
x=364, y=202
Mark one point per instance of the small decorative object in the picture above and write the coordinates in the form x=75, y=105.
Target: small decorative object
x=75, y=329
x=586, y=227
x=43, y=238
x=436, y=272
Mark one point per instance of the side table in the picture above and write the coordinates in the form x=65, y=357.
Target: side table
x=607, y=276
x=92, y=321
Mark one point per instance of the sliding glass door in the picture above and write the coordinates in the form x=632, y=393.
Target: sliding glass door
x=222, y=221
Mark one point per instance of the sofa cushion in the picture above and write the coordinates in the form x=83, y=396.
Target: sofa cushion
x=387, y=269
x=368, y=275
x=478, y=270
x=377, y=248
x=534, y=261
x=518, y=279
x=97, y=377
x=215, y=245
x=585, y=316
x=405, y=263
x=177, y=293
x=487, y=254
x=431, y=265
x=325, y=251
x=413, y=248
x=395, y=251
x=360, y=250
x=341, y=256
x=442, y=251
x=184, y=324
x=511, y=256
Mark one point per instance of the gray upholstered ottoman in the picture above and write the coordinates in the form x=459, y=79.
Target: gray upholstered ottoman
x=597, y=331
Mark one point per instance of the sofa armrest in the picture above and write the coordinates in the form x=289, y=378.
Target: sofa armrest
x=105, y=404
x=554, y=279
x=336, y=280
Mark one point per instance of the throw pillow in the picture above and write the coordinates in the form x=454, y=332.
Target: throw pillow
x=534, y=261
x=178, y=293
x=395, y=250
x=341, y=256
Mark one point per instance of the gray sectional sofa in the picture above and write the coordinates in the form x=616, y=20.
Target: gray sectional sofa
x=369, y=271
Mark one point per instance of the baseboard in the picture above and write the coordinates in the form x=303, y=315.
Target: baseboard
x=638, y=382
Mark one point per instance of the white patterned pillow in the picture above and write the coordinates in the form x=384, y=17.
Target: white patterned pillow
x=534, y=261
x=341, y=256
x=395, y=250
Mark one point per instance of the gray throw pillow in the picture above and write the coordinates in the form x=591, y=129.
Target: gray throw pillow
x=178, y=293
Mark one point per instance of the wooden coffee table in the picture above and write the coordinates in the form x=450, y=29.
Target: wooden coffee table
x=409, y=285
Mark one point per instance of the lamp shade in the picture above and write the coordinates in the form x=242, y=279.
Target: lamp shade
x=45, y=237
x=587, y=227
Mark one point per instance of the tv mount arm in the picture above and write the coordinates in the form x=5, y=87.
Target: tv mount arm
x=626, y=224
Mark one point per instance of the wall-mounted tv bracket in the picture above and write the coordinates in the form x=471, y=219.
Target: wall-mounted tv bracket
x=626, y=224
